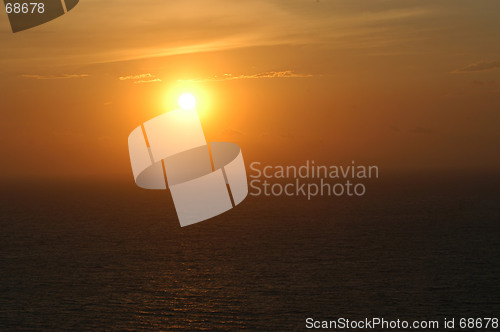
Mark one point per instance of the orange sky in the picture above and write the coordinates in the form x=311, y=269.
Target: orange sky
x=407, y=85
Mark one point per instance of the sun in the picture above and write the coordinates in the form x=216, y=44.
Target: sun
x=187, y=101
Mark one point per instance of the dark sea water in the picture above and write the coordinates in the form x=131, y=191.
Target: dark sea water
x=110, y=256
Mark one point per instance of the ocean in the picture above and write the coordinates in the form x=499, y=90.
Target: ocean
x=109, y=256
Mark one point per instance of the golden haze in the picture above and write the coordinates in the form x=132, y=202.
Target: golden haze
x=406, y=85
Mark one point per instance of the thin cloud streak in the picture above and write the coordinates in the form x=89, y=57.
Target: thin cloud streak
x=231, y=77
x=352, y=30
x=135, y=77
x=55, y=77
x=226, y=25
x=141, y=78
x=156, y=80
x=479, y=66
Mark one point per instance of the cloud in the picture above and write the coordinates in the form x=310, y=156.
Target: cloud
x=141, y=78
x=135, y=77
x=55, y=77
x=231, y=77
x=159, y=28
x=148, y=81
x=479, y=66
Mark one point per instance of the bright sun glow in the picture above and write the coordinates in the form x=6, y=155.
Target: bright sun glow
x=187, y=101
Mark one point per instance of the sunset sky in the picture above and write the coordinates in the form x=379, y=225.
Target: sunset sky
x=406, y=85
